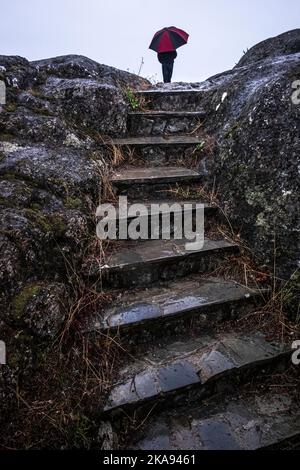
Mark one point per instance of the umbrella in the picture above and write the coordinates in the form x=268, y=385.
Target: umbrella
x=168, y=39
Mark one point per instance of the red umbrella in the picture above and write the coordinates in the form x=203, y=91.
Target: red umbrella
x=168, y=39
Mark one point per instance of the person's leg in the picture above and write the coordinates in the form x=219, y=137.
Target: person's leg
x=165, y=72
x=171, y=66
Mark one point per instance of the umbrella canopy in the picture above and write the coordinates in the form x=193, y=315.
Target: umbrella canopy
x=168, y=39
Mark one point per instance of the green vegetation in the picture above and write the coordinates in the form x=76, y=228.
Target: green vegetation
x=132, y=99
x=200, y=147
x=22, y=298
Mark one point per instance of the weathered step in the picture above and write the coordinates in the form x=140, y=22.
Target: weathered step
x=261, y=419
x=142, y=263
x=155, y=311
x=137, y=182
x=156, y=213
x=168, y=99
x=157, y=141
x=163, y=122
x=164, y=175
x=174, y=114
x=160, y=149
x=192, y=366
x=162, y=206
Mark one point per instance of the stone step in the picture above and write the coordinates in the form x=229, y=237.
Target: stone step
x=157, y=212
x=160, y=149
x=155, y=182
x=137, y=263
x=168, y=99
x=126, y=177
x=156, y=141
x=262, y=419
x=164, y=204
x=169, y=114
x=146, y=314
x=192, y=369
x=163, y=122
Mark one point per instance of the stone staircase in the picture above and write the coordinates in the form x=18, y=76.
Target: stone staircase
x=187, y=365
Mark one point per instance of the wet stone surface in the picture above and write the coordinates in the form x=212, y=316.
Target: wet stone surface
x=173, y=100
x=163, y=370
x=153, y=175
x=146, y=124
x=228, y=423
x=172, y=300
x=147, y=262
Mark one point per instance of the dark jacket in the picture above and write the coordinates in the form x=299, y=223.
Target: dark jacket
x=165, y=57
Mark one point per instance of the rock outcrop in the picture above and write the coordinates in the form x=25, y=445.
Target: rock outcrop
x=52, y=162
x=57, y=110
x=255, y=123
x=56, y=113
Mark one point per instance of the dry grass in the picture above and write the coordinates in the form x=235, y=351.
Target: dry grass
x=195, y=192
x=54, y=406
x=273, y=317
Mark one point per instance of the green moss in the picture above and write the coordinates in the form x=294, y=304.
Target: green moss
x=53, y=223
x=37, y=218
x=58, y=224
x=74, y=203
x=4, y=202
x=6, y=137
x=42, y=111
x=35, y=206
x=22, y=298
x=10, y=107
x=233, y=131
x=19, y=177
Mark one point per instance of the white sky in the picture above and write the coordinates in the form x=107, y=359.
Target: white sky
x=118, y=33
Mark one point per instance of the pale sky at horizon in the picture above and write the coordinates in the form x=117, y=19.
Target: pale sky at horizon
x=118, y=33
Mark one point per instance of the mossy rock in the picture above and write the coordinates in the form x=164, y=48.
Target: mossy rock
x=74, y=203
x=21, y=300
x=49, y=224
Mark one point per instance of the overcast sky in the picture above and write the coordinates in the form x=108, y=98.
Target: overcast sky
x=118, y=32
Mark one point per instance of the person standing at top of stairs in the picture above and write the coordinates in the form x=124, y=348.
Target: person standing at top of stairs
x=167, y=61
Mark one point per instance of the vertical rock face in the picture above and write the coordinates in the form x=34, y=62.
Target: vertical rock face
x=257, y=164
x=51, y=166
x=253, y=113
x=56, y=113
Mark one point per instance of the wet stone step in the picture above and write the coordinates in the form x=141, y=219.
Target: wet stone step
x=153, y=182
x=155, y=215
x=175, y=114
x=163, y=206
x=181, y=140
x=143, y=263
x=161, y=150
x=236, y=421
x=193, y=365
x=126, y=177
x=152, y=123
x=210, y=299
x=168, y=99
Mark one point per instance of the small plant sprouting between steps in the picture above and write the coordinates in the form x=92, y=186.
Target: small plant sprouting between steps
x=200, y=147
x=132, y=99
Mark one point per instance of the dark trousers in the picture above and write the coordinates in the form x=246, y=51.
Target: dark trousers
x=167, y=69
